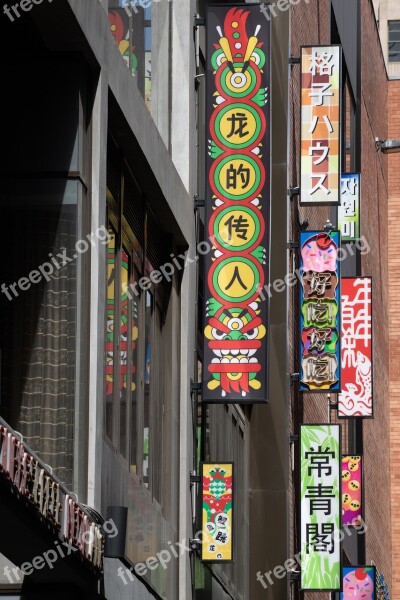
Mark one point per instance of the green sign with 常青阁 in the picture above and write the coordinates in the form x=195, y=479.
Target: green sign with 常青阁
x=320, y=457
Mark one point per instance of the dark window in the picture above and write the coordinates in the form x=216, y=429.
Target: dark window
x=134, y=344
x=394, y=41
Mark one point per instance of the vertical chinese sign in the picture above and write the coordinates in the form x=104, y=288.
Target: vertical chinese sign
x=320, y=463
x=352, y=490
x=319, y=311
x=359, y=582
x=348, y=216
x=320, y=125
x=217, y=517
x=237, y=205
x=355, y=400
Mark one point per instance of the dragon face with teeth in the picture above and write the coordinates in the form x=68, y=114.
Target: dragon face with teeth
x=235, y=336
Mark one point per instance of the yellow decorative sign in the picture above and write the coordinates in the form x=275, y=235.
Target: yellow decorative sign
x=217, y=517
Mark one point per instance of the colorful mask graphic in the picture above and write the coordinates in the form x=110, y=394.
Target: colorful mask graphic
x=237, y=205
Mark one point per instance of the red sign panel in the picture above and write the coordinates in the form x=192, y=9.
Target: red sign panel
x=355, y=400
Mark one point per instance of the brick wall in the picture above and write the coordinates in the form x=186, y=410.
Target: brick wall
x=310, y=25
x=394, y=331
x=374, y=226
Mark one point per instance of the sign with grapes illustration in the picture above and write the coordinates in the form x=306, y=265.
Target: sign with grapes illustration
x=237, y=204
x=217, y=517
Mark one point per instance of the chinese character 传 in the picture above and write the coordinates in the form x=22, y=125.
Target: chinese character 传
x=239, y=225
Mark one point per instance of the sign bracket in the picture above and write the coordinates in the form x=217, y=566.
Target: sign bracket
x=194, y=478
x=198, y=202
x=293, y=576
x=195, y=388
x=199, y=21
x=292, y=245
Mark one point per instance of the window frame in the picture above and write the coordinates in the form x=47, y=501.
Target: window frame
x=395, y=42
x=139, y=266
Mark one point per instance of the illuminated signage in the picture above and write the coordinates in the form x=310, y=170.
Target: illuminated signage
x=359, y=582
x=348, y=215
x=319, y=311
x=237, y=204
x=355, y=400
x=217, y=517
x=320, y=125
x=320, y=462
x=33, y=481
x=352, y=492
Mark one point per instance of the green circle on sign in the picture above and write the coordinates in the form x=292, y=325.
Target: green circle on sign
x=214, y=59
x=230, y=91
x=261, y=55
x=257, y=177
x=255, y=226
x=225, y=294
x=240, y=107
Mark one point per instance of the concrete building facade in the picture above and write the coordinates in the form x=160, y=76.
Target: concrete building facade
x=101, y=292
x=387, y=14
